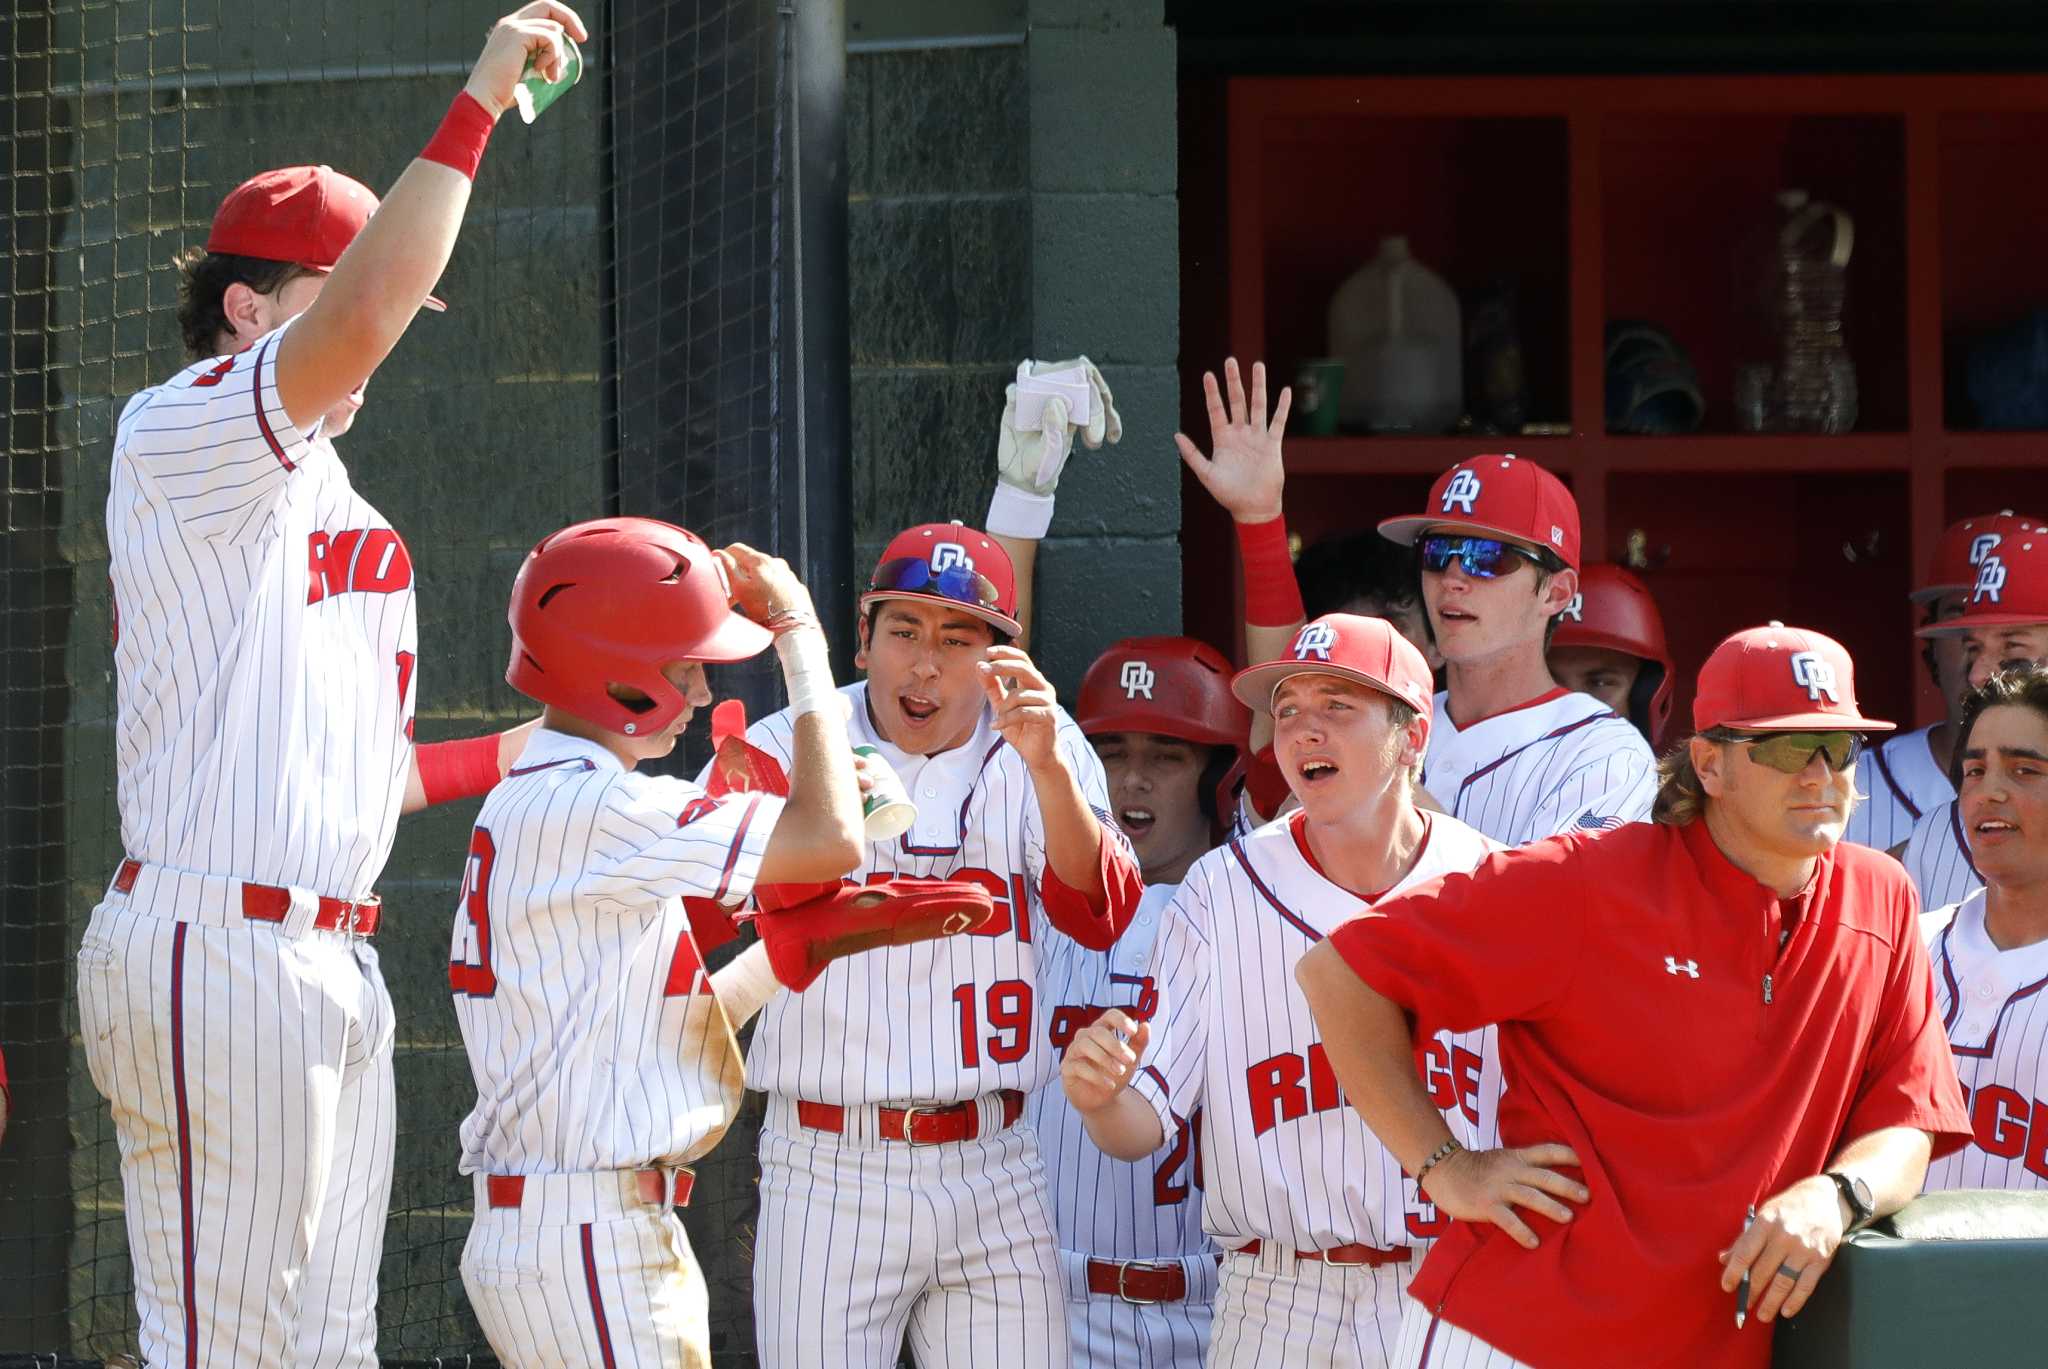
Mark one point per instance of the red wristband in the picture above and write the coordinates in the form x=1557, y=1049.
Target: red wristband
x=458, y=769
x=459, y=141
x=1271, y=598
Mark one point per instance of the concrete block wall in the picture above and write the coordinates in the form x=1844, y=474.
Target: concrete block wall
x=1009, y=199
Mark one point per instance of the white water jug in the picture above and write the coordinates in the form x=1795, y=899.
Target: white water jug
x=1395, y=324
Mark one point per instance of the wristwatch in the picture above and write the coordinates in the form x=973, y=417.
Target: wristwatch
x=1856, y=1193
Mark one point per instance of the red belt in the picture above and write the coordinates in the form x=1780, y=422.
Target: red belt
x=509, y=1190
x=1369, y=1255
x=920, y=1126
x=268, y=903
x=1137, y=1281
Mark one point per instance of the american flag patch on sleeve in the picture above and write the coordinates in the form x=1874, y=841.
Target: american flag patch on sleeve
x=1589, y=823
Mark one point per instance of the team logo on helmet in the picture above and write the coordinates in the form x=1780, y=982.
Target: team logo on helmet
x=1137, y=679
x=947, y=555
x=1811, y=669
x=1982, y=545
x=1990, y=580
x=1576, y=609
x=1463, y=491
x=1315, y=640
x=1556, y=535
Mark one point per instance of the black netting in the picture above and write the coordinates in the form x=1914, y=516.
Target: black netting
x=616, y=342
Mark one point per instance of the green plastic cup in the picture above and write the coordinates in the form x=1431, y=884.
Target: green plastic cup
x=1318, y=385
x=536, y=93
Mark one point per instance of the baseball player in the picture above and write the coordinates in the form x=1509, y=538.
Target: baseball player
x=2004, y=623
x=1140, y=1272
x=1990, y=951
x=1319, y=1225
x=1720, y=1035
x=1513, y=752
x=1908, y=775
x=232, y=1008
x=897, y=1190
x=1609, y=643
x=604, y=1057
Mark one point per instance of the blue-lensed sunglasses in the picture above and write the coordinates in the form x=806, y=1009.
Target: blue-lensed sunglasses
x=915, y=575
x=1483, y=558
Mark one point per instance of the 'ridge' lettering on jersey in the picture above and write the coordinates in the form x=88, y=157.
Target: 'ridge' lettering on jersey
x=358, y=561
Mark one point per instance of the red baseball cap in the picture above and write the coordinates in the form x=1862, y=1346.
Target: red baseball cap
x=2011, y=586
x=306, y=215
x=1953, y=568
x=1371, y=651
x=1501, y=495
x=948, y=563
x=1780, y=679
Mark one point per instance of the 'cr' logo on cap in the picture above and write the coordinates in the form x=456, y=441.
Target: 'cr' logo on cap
x=1315, y=640
x=947, y=555
x=1576, y=609
x=1463, y=491
x=1990, y=580
x=1809, y=668
x=1137, y=679
x=1982, y=545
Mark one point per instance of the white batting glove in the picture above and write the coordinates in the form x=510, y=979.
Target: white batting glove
x=1050, y=402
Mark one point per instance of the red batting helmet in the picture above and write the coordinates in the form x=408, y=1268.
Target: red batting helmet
x=1614, y=610
x=1171, y=686
x=948, y=563
x=612, y=601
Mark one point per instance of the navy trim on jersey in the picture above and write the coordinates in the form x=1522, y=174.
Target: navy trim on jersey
x=1483, y=771
x=263, y=419
x=1955, y=827
x=1237, y=849
x=1884, y=770
x=590, y=1284
x=518, y=770
x=732, y=854
x=189, y=1249
x=953, y=850
x=1955, y=1004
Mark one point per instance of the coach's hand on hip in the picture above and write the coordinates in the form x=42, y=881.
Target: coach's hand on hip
x=1787, y=1249
x=533, y=31
x=1488, y=1185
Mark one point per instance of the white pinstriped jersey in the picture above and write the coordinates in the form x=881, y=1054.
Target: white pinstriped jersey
x=1996, y=1017
x=1149, y=1209
x=1284, y=1157
x=592, y=1031
x=1562, y=763
x=1937, y=856
x=264, y=639
x=938, y=1021
x=1899, y=783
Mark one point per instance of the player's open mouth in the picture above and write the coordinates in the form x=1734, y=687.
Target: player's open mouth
x=1993, y=827
x=918, y=711
x=1136, y=822
x=1316, y=771
x=1454, y=615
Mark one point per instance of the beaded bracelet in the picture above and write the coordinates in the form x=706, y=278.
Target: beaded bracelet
x=1437, y=1157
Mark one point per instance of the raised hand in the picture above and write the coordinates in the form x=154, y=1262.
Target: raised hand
x=1023, y=701
x=1243, y=472
x=763, y=587
x=532, y=31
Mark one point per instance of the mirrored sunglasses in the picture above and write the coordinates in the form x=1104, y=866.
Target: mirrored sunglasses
x=1791, y=752
x=1483, y=558
x=914, y=575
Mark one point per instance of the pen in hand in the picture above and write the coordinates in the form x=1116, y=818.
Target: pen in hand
x=1742, y=1289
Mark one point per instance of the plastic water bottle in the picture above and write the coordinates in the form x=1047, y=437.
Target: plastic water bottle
x=1395, y=325
x=1816, y=379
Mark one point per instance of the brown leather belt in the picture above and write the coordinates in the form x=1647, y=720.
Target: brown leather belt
x=1369, y=1255
x=509, y=1190
x=918, y=1126
x=268, y=903
x=1138, y=1281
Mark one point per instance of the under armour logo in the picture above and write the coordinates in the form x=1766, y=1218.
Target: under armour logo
x=1673, y=965
x=947, y=555
x=1315, y=640
x=1576, y=609
x=1809, y=668
x=1463, y=490
x=1137, y=679
x=1556, y=535
x=1990, y=580
x=1982, y=545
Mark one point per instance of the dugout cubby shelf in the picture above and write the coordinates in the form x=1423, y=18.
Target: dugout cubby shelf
x=1631, y=197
